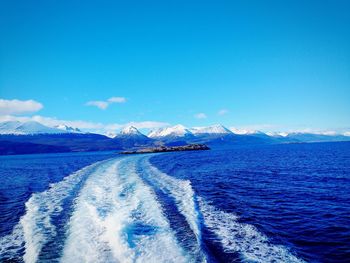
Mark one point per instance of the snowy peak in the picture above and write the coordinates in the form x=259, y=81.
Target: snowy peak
x=110, y=134
x=277, y=134
x=174, y=131
x=181, y=131
x=130, y=130
x=246, y=131
x=27, y=128
x=9, y=127
x=213, y=129
x=130, y=136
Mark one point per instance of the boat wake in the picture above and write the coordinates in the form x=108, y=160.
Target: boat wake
x=35, y=228
x=126, y=210
x=117, y=218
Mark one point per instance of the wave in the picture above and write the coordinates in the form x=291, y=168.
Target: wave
x=35, y=227
x=117, y=218
x=182, y=192
x=241, y=238
x=184, y=197
x=235, y=237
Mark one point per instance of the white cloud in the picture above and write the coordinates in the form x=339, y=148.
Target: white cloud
x=19, y=106
x=138, y=125
x=51, y=122
x=326, y=132
x=147, y=124
x=242, y=131
x=309, y=130
x=116, y=100
x=99, y=104
x=274, y=130
x=222, y=112
x=200, y=115
x=249, y=129
x=104, y=104
x=84, y=125
x=347, y=133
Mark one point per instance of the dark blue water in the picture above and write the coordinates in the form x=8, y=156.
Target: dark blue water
x=277, y=203
x=297, y=194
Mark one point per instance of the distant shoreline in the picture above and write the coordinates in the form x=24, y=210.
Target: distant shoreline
x=189, y=147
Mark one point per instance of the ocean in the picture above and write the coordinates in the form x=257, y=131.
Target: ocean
x=272, y=203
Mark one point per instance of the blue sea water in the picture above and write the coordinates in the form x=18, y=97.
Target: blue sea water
x=276, y=203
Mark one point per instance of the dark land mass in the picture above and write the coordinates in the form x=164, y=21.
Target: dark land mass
x=189, y=147
x=10, y=148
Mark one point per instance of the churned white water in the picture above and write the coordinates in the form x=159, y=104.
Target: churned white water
x=116, y=216
x=117, y=219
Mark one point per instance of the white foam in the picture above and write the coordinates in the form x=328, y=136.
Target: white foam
x=34, y=228
x=102, y=227
x=184, y=197
x=243, y=238
x=182, y=192
x=11, y=244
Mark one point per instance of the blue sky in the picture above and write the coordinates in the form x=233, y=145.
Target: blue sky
x=269, y=65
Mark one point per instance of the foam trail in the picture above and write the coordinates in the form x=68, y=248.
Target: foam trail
x=34, y=228
x=242, y=238
x=182, y=192
x=117, y=219
x=184, y=198
x=10, y=245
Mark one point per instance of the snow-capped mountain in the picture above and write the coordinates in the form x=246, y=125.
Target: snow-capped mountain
x=110, y=134
x=130, y=130
x=316, y=137
x=68, y=128
x=27, y=128
x=34, y=137
x=245, y=131
x=132, y=137
x=277, y=134
x=213, y=129
x=9, y=127
x=174, y=131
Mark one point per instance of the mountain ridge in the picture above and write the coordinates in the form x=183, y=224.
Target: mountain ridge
x=19, y=135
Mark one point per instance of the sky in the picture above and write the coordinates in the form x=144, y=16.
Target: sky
x=100, y=65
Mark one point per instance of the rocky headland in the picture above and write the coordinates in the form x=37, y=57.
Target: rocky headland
x=189, y=147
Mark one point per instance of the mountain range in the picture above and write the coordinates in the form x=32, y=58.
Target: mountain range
x=34, y=137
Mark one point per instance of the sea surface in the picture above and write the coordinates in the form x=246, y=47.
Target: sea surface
x=276, y=203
